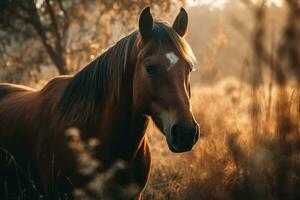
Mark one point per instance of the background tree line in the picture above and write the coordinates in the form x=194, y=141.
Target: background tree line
x=39, y=34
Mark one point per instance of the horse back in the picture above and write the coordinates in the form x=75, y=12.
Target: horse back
x=25, y=111
x=7, y=89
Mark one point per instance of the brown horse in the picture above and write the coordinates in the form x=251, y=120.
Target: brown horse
x=144, y=75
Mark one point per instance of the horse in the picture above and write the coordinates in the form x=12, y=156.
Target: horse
x=145, y=75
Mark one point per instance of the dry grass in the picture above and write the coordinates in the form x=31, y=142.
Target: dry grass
x=232, y=160
x=250, y=130
x=250, y=142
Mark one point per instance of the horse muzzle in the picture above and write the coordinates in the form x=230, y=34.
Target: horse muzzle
x=183, y=138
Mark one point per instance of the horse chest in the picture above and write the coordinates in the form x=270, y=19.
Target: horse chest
x=137, y=161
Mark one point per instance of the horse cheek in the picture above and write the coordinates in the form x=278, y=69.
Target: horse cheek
x=141, y=95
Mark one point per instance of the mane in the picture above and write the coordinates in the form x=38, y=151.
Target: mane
x=102, y=78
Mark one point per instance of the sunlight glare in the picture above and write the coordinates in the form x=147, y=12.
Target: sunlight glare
x=221, y=3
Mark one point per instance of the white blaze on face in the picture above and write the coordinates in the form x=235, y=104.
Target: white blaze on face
x=173, y=59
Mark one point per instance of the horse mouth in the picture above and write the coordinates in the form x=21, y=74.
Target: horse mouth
x=184, y=149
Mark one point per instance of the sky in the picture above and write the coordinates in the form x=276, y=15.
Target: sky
x=220, y=3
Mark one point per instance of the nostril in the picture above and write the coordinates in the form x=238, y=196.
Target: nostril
x=183, y=135
x=175, y=134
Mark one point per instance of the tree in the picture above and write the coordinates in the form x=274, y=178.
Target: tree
x=35, y=33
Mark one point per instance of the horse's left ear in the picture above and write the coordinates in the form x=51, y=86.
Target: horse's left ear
x=181, y=22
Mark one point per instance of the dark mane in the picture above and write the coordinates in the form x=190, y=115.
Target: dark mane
x=100, y=78
x=103, y=76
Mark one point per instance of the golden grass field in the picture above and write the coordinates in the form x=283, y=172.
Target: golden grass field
x=232, y=160
x=246, y=99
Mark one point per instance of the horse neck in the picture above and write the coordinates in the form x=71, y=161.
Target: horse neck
x=122, y=131
x=127, y=126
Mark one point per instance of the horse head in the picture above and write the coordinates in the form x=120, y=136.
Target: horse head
x=161, y=84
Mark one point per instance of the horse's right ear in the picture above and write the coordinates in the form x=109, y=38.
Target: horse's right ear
x=146, y=23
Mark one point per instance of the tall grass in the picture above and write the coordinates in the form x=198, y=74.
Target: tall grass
x=250, y=147
x=250, y=142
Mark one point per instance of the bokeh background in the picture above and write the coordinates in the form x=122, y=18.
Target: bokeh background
x=245, y=90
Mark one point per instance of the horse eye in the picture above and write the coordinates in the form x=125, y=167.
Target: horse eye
x=151, y=70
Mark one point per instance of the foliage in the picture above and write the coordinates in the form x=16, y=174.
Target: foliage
x=35, y=34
